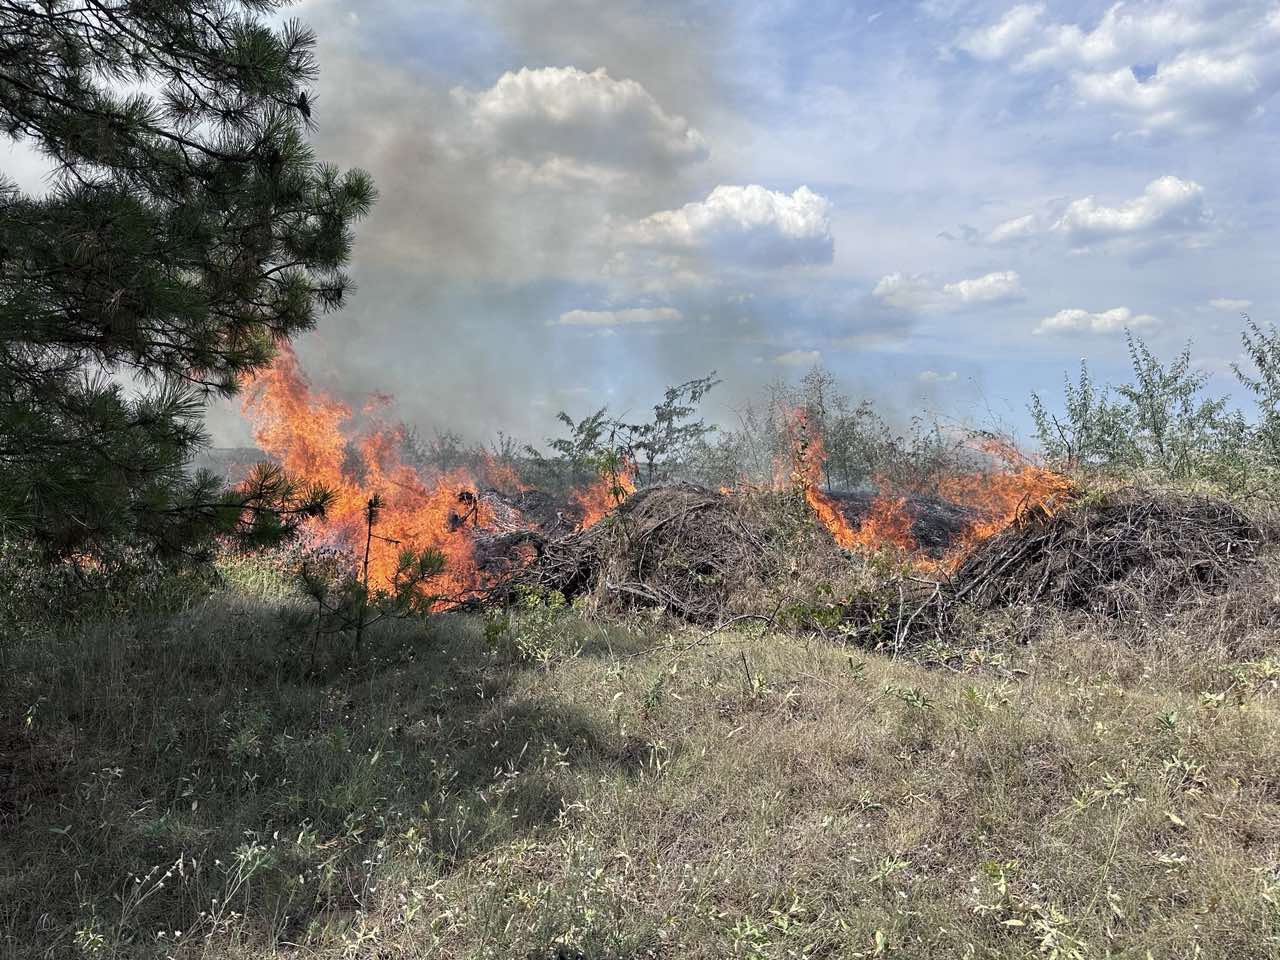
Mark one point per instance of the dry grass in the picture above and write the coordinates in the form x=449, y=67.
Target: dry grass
x=542, y=786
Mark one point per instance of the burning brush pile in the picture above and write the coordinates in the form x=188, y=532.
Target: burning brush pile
x=1009, y=532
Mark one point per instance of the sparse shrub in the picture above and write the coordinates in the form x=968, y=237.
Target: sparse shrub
x=1164, y=424
x=38, y=593
x=532, y=629
x=345, y=603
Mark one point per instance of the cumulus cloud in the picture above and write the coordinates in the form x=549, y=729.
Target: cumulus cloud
x=618, y=318
x=1083, y=321
x=1015, y=230
x=988, y=288
x=1180, y=66
x=1168, y=207
x=799, y=358
x=1167, y=204
x=1230, y=303
x=1193, y=91
x=592, y=117
x=1127, y=33
x=746, y=225
x=511, y=179
x=1006, y=36
x=920, y=291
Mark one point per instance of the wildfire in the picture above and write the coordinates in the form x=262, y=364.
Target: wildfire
x=997, y=499
x=502, y=476
x=601, y=496
x=313, y=436
x=318, y=439
x=888, y=521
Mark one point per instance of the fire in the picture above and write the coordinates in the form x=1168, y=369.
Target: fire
x=606, y=492
x=887, y=523
x=314, y=438
x=997, y=499
x=318, y=439
x=502, y=476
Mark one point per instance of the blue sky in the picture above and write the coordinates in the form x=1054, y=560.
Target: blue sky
x=946, y=203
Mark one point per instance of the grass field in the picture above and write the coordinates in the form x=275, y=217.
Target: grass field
x=181, y=785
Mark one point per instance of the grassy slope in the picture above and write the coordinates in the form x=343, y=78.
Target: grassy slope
x=634, y=794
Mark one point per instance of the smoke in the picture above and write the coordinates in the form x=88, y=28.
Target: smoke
x=537, y=160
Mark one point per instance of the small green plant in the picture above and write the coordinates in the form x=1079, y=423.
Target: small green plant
x=1163, y=421
x=534, y=629
x=349, y=605
x=1044, y=924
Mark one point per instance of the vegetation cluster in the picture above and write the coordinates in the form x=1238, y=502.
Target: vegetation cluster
x=221, y=737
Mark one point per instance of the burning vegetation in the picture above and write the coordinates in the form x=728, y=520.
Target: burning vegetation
x=987, y=500
x=317, y=437
x=676, y=545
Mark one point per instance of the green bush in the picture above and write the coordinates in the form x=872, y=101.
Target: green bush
x=1165, y=423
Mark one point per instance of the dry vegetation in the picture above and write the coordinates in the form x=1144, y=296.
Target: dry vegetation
x=538, y=783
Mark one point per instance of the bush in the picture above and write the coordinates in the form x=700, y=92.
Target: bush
x=38, y=594
x=1165, y=423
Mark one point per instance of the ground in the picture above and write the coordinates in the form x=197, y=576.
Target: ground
x=188, y=784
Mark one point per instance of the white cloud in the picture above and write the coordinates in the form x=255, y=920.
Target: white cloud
x=919, y=291
x=1230, y=303
x=988, y=288
x=1191, y=92
x=1019, y=228
x=933, y=376
x=1168, y=207
x=743, y=224
x=1007, y=35
x=1184, y=65
x=1125, y=34
x=618, y=318
x=799, y=358
x=908, y=292
x=592, y=117
x=1166, y=204
x=1082, y=321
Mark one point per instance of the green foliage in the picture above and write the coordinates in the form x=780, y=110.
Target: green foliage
x=1175, y=428
x=532, y=630
x=37, y=593
x=860, y=446
x=575, y=456
x=188, y=230
x=1091, y=430
x=1164, y=422
x=604, y=445
x=1262, y=347
x=662, y=442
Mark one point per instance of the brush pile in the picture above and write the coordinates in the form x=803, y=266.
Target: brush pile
x=707, y=557
x=679, y=546
x=1111, y=557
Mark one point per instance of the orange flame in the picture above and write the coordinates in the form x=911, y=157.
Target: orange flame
x=502, y=476
x=313, y=438
x=606, y=492
x=1001, y=497
x=997, y=499
x=887, y=523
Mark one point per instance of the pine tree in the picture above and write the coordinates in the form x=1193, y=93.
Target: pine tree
x=188, y=229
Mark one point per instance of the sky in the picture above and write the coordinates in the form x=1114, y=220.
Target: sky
x=947, y=204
